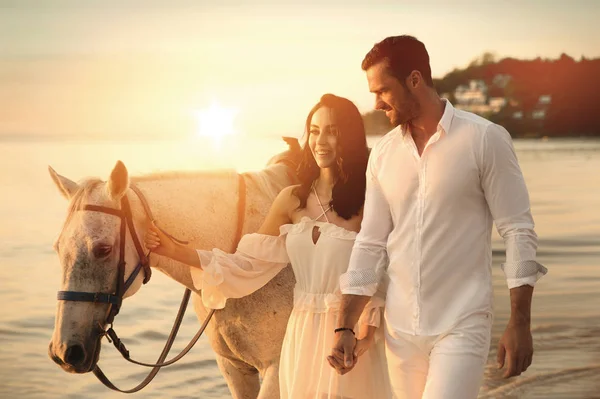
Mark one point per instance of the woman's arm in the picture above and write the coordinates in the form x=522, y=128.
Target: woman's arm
x=279, y=214
x=365, y=337
x=157, y=242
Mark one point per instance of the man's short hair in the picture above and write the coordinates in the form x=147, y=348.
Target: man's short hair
x=403, y=54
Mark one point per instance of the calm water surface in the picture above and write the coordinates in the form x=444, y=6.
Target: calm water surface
x=564, y=183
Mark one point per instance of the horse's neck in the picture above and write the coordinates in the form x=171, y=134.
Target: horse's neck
x=203, y=210
x=193, y=208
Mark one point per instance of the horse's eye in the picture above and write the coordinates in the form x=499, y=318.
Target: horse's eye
x=102, y=250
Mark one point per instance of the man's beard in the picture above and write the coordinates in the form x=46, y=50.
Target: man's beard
x=411, y=108
x=396, y=120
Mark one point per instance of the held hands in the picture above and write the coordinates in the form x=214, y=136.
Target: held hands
x=156, y=241
x=515, y=349
x=346, y=351
x=343, y=355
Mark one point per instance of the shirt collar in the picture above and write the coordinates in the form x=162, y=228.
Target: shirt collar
x=443, y=124
x=446, y=119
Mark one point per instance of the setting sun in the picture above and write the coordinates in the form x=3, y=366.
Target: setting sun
x=216, y=122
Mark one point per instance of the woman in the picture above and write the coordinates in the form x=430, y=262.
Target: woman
x=312, y=226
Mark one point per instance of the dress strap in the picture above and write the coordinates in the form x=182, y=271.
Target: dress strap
x=324, y=213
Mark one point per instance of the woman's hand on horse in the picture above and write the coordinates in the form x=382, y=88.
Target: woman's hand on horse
x=157, y=242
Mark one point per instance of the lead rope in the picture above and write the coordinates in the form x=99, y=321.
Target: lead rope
x=184, y=301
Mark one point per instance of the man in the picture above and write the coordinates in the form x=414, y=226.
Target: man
x=435, y=185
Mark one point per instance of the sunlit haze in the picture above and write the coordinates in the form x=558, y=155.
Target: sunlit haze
x=89, y=69
x=216, y=122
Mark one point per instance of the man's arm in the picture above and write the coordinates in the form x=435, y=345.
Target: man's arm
x=515, y=349
x=351, y=309
x=367, y=264
x=508, y=201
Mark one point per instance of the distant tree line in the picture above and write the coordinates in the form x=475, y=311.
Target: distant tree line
x=574, y=88
x=376, y=123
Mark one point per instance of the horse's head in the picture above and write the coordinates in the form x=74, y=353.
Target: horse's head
x=89, y=252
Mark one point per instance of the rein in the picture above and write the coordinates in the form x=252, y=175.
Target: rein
x=115, y=300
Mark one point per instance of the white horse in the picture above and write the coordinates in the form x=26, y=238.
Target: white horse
x=198, y=207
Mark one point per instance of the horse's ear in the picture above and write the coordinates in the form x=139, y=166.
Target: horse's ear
x=118, y=183
x=66, y=187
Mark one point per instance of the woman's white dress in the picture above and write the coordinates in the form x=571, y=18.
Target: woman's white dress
x=304, y=372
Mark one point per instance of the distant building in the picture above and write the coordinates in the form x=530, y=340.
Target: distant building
x=501, y=80
x=474, y=98
x=540, y=111
x=497, y=103
x=545, y=99
x=474, y=93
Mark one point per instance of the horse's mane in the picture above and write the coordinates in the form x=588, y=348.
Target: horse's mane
x=83, y=192
x=180, y=174
x=272, y=179
x=269, y=180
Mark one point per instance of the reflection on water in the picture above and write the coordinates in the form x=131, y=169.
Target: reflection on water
x=562, y=177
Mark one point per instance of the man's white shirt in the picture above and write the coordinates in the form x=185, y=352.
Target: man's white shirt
x=428, y=221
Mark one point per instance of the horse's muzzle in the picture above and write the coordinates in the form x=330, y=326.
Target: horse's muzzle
x=77, y=358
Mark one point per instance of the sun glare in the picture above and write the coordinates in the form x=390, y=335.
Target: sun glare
x=216, y=122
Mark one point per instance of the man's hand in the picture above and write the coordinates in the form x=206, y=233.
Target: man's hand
x=343, y=356
x=515, y=349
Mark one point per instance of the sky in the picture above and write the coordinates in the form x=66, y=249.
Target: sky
x=118, y=68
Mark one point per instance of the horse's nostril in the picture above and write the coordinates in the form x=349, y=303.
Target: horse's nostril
x=53, y=356
x=75, y=355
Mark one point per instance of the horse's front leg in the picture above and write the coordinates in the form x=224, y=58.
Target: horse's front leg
x=242, y=379
x=270, y=384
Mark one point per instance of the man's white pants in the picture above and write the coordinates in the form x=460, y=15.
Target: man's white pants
x=445, y=366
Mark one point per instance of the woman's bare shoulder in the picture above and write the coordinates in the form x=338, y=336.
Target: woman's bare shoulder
x=289, y=190
x=286, y=200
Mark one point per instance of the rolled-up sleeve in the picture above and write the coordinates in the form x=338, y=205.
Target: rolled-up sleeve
x=369, y=258
x=508, y=201
x=373, y=312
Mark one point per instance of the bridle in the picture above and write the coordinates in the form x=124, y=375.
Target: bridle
x=115, y=299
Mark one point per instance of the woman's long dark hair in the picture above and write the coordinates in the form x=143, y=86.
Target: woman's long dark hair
x=348, y=195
